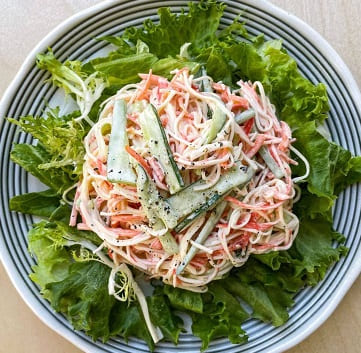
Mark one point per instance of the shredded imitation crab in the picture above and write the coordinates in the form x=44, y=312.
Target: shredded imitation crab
x=258, y=217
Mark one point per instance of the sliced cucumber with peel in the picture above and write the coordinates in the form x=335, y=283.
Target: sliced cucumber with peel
x=217, y=122
x=156, y=138
x=208, y=205
x=153, y=205
x=244, y=116
x=119, y=169
x=203, y=235
x=190, y=200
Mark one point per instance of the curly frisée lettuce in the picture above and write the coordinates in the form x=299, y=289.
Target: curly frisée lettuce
x=74, y=272
x=66, y=149
x=69, y=76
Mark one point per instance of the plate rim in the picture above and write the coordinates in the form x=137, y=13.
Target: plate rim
x=302, y=27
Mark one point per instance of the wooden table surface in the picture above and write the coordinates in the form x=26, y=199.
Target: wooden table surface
x=23, y=23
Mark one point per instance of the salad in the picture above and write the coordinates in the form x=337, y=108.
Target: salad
x=196, y=164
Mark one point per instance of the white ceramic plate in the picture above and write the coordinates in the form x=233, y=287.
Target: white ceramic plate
x=74, y=39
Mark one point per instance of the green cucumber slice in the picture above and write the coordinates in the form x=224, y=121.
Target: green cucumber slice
x=218, y=120
x=119, y=169
x=156, y=138
x=203, y=235
x=190, y=199
x=153, y=205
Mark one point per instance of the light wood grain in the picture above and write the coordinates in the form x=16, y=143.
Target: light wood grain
x=23, y=23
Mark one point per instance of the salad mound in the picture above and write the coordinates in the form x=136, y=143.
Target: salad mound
x=218, y=187
x=186, y=178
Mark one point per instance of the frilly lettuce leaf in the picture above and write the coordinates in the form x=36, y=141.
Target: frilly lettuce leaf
x=120, y=70
x=269, y=303
x=215, y=313
x=128, y=321
x=161, y=314
x=42, y=204
x=78, y=287
x=53, y=262
x=222, y=317
x=66, y=148
x=83, y=297
x=184, y=300
x=198, y=27
x=31, y=157
x=86, y=89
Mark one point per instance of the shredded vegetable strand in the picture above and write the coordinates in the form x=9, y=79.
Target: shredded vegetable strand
x=258, y=217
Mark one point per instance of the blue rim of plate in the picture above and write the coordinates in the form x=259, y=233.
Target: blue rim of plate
x=317, y=61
